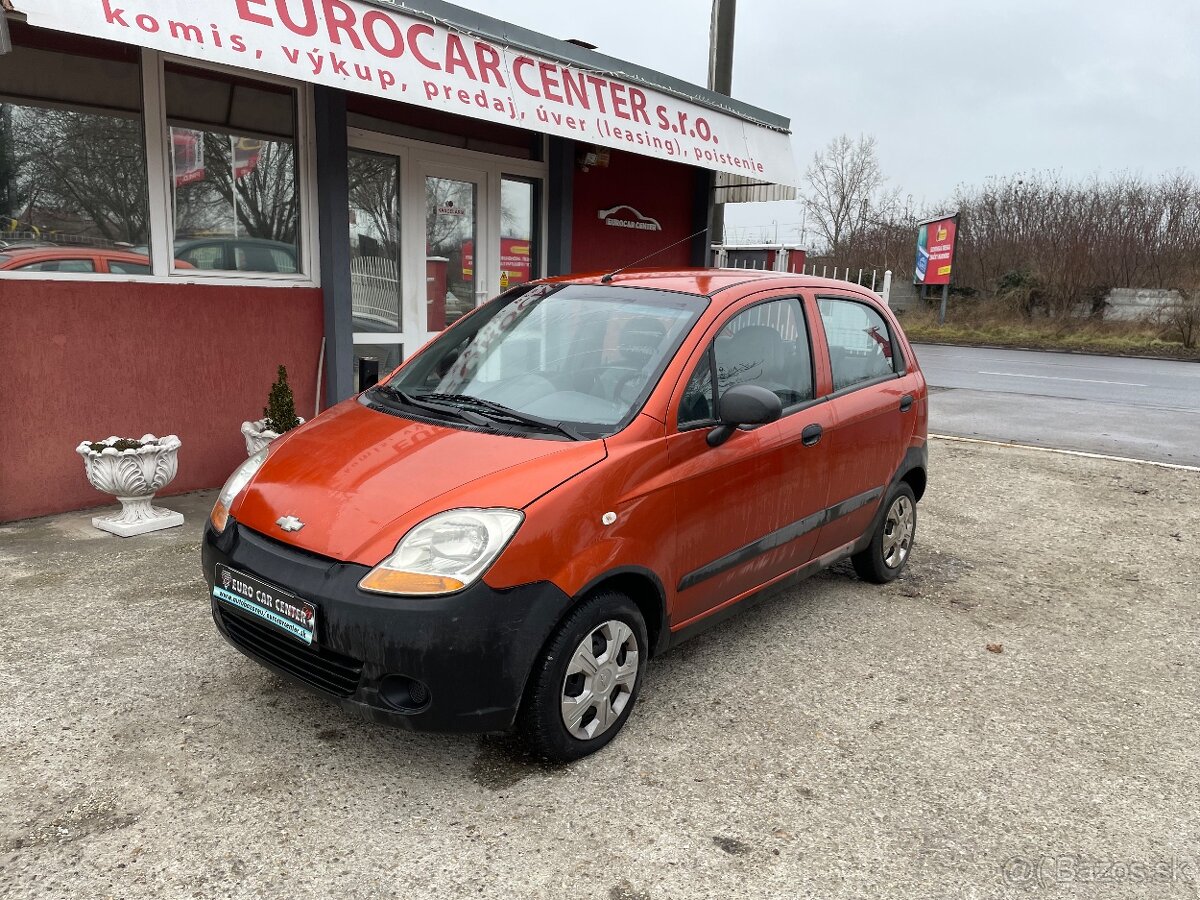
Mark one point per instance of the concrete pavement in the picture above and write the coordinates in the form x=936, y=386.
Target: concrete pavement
x=843, y=741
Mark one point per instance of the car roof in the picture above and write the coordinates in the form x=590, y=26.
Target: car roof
x=27, y=253
x=712, y=282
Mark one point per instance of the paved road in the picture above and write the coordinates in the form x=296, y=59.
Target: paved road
x=1146, y=409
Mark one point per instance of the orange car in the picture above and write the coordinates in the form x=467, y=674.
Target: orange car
x=77, y=260
x=570, y=480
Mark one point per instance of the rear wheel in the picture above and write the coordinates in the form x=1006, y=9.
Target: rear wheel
x=885, y=557
x=584, y=685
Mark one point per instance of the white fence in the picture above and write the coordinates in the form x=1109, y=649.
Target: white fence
x=375, y=291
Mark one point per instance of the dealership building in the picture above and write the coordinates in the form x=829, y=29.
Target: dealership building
x=192, y=194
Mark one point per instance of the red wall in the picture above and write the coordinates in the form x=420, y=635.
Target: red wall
x=85, y=360
x=661, y=190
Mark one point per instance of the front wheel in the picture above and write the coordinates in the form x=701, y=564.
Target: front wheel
x=892, y=542
x=584, y=685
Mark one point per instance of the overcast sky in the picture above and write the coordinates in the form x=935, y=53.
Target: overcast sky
x=953, y=91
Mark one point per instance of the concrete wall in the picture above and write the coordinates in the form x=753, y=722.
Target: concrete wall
x=82, y=360
x=1133, y=304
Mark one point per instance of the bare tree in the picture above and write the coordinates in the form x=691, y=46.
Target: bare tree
x=847, y=192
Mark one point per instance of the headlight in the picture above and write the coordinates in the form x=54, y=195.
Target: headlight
x=235, y=485
x=445, y=553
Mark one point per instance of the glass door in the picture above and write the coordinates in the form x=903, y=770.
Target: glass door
x=457, y=259
x=376, y=263
x=434, y=232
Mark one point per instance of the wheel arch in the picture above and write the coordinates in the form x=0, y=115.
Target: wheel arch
x=644, y=588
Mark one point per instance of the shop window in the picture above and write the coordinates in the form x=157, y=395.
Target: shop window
x=72, y=156
x=518, y=230
x=234, y=172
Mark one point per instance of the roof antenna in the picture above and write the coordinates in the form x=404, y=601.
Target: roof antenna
x=607, y=279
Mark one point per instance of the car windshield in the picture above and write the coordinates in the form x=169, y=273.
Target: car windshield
x=583, y=357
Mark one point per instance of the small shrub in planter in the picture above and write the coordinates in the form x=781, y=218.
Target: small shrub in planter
x=279, y=416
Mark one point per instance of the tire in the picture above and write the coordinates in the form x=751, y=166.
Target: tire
x=598, y=655
x=887, y=554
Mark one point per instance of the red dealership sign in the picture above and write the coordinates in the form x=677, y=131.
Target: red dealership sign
x=935, y=251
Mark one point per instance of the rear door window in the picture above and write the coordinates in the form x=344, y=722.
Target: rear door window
x=121, y=267
x=860, y=344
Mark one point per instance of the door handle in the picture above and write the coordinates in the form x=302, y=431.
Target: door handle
x=811, y=436
x=906, y=402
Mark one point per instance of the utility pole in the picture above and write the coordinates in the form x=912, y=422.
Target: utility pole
x=720, y=79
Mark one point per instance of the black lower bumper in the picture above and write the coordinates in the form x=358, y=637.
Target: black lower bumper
x=472, y=652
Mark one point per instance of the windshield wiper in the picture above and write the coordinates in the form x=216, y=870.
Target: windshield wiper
x=421, y=403
x=500, y=411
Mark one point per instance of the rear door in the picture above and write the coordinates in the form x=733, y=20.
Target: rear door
x=872, y=401
x=733, y=513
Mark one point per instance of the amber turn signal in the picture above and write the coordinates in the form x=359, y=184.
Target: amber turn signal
x=219, y=516
x=389, y=581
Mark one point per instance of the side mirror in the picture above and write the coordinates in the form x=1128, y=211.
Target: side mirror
x=746, y=404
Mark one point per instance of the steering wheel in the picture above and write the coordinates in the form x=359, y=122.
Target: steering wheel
x=626, y=378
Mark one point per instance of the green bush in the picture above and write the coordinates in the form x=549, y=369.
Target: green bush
x=281, y=405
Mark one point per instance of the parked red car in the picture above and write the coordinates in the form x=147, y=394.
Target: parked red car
x=567, y=482
x=77, y=259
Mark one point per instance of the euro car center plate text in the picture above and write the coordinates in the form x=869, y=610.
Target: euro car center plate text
x=272, y=604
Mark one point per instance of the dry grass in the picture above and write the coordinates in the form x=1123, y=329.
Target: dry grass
x=992, y=324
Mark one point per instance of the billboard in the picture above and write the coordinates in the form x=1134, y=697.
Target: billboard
x=935, y=251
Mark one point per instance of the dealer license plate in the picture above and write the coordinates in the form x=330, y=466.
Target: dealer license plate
x=272, y=604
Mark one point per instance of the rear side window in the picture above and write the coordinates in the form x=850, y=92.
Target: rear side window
x=60, y=265
x=766, y=345
x=860, y=345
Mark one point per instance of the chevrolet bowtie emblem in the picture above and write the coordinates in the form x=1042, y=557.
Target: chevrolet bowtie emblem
x=290, y=523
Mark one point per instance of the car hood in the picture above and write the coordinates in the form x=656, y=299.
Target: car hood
x=359, y=478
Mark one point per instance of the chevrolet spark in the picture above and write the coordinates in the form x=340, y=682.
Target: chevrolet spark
x=569, y=481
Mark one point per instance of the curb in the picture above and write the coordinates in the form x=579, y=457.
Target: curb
x=1182, y=359
x=1083, y=453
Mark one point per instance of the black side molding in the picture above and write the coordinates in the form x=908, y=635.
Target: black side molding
x=777, y=538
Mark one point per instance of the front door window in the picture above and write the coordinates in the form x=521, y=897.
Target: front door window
x=451, y=229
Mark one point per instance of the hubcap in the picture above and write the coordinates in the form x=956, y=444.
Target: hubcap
x=898, y=530
x=600, y=680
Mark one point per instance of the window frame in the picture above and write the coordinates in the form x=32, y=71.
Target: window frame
x=156, y=141
x=162, y=243
x=710, y=352
x=897, y=349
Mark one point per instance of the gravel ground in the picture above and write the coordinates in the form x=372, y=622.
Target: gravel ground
x=842, y=741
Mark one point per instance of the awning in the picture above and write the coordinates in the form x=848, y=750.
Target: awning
x=440, y=61
x=744, y=189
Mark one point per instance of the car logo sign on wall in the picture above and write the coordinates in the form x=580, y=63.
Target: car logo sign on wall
x=290, y=523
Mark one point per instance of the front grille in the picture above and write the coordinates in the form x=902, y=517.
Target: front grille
x=325, y=670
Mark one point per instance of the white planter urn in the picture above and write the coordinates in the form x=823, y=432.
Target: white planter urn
x=133, y=477
x=257, y=435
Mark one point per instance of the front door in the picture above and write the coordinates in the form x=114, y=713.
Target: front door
x=747, y=511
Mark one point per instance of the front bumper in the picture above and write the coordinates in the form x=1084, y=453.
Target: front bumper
x=473, y=650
